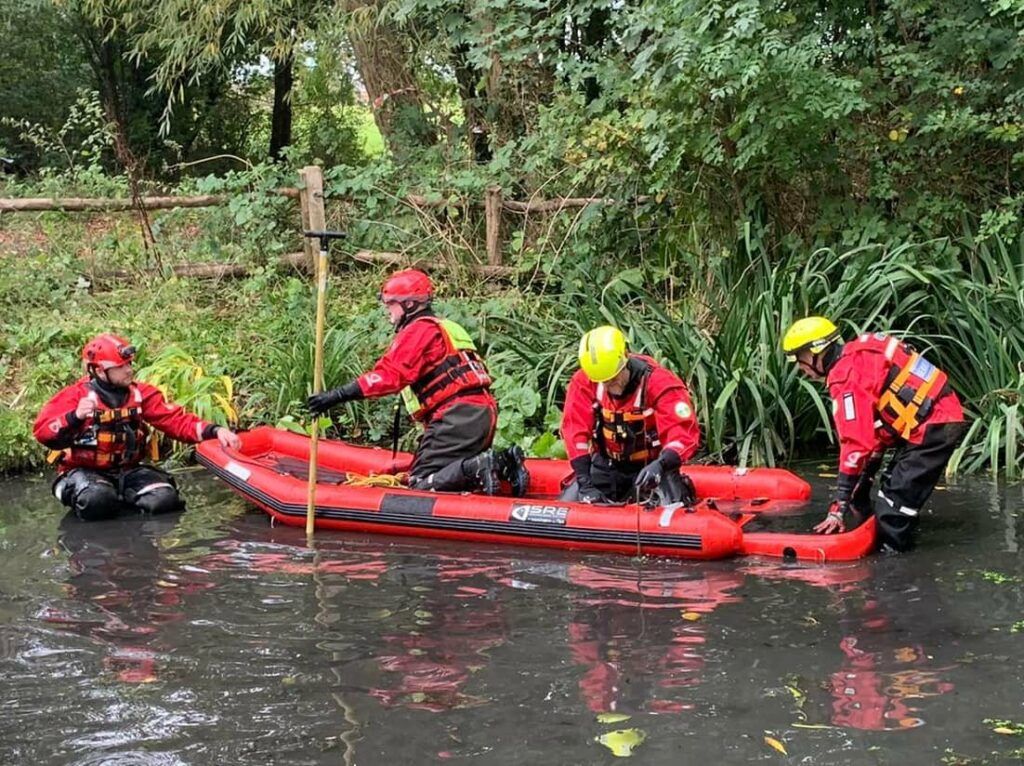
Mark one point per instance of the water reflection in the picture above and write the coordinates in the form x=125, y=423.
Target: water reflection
x=640, y=641
x=879, y=679
x=120, y=591
x=638, y=635
x=219, y=639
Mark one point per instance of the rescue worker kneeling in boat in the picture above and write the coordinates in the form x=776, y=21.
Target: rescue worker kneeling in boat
x=628, y=425
x=884, y=394
x=98, y=429
x=445, y=386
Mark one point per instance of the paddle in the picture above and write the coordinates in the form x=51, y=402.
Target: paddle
x=325, y=238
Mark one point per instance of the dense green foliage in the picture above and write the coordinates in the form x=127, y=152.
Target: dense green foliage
x=765, y=160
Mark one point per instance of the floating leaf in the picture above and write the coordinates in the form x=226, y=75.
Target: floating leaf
x=774, y=744
x=622, y=742
x=1004, y=730
x=691, y=616
x=612, y=717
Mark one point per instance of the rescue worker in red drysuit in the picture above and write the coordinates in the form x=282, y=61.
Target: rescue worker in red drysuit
x=884, y=394
x=628, y=425
x=98, y=429
x=445, y=386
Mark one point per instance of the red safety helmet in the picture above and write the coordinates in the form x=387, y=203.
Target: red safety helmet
x=108, y=350
x=407, y=285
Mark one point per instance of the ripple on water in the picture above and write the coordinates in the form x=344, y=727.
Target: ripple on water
x=129, y=758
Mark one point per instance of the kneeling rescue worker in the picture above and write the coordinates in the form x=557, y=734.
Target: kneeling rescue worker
x=628, y=425
x=98, y=429
x=444, y=384
x=884, y=394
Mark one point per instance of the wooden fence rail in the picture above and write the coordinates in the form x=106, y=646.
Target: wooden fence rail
x=311, y=199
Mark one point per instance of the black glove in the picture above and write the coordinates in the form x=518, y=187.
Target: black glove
x=650, y=475
x=588, y=493
x=318, y=404
x=593, y=496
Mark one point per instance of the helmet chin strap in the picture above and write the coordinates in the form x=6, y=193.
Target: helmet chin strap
x=411, y=310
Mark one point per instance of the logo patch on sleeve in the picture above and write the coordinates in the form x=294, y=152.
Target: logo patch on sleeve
x=684, y=411
x=849, y=409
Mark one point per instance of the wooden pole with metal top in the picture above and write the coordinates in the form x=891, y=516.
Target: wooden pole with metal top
x=325, y=238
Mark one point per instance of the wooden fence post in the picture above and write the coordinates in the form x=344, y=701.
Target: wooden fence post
x=492, y=211
x=314, y=218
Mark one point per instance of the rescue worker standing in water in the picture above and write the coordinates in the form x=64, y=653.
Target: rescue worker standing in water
x=884, y=394
x=628, y=425
x=98, y=429
x=445, y=386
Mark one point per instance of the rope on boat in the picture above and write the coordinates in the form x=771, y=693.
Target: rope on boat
x=377, y=480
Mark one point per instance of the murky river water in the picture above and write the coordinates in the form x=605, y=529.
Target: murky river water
x=210, y=638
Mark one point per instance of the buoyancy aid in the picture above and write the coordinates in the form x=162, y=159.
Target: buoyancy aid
x=116, y=437
x=628, y=435
x=912, y=387
x=462, y=371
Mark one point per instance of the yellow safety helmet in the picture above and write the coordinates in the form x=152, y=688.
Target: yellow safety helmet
x=603, y=353
x=813, y=334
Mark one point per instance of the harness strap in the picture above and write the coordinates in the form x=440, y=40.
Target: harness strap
x=906, y=413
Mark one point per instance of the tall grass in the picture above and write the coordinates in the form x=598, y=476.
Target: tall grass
x=962, y=303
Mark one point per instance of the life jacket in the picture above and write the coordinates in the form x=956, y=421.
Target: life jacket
x=461, y=372
x=115, y=438
x=629, y=435
x=912, y=387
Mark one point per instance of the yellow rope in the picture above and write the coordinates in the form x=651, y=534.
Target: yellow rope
x=377, y=480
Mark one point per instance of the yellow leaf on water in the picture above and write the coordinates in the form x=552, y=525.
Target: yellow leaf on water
x=774, y=744
x=1003, y=730
x=827, y=475
x=691, y=616
x=612, y=717
x=811, y=726
x=622, y=742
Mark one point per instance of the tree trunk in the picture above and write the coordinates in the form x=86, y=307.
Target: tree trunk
x=387, y=75
x=467, y=76
x=281, y=120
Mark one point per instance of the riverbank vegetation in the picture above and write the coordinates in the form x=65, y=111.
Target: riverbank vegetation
x=757, y=164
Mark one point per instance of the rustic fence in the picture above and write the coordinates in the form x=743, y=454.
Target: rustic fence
x=310, y=195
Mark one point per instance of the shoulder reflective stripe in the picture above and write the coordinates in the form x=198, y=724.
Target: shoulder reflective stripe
x=138, y=393
x=890, y=348
x=639, y=401
x=648, y=412
x=599, y=394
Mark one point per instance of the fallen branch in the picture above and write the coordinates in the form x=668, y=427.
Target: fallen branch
x=554, y=205
x=99, y=204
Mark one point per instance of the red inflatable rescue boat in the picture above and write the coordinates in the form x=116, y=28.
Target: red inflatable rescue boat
x=271, y=471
